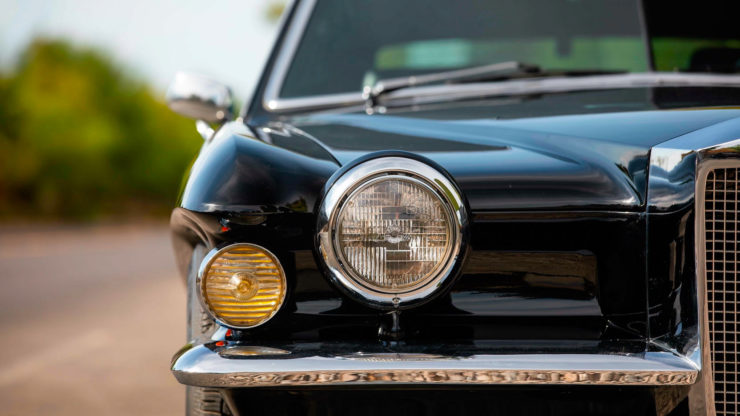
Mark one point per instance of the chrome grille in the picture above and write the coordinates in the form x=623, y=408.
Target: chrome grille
x=721, y=221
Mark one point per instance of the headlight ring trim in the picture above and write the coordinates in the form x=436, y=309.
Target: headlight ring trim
x=388, y=168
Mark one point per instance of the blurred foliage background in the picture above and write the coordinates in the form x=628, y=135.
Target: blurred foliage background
x=80, y=139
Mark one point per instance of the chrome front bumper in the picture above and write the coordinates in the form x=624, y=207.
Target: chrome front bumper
x=218, y=364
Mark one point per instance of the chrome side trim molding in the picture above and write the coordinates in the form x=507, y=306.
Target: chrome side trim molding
x=202, y=366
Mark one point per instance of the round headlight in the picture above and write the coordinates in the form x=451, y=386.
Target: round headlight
x=241, y=285
x=390, y=231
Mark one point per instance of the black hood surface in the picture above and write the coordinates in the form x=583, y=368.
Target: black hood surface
x=560, y=152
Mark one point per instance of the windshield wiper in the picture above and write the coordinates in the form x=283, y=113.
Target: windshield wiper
x=503, y=70
x=494, y=72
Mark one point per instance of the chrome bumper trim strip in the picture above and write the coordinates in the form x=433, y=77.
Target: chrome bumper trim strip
x=202, y=366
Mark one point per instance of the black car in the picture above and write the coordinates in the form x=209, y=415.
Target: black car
x=485, y=207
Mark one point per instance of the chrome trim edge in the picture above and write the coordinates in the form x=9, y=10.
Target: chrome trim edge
x=703, y=392
x=201, y=366
x=288, y=47
x=550, y=85
x=435, y=93
x=697, y=148
x=363, y=173
x=516, y=87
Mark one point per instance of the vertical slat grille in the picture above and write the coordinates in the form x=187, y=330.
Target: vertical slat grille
x=721, y=220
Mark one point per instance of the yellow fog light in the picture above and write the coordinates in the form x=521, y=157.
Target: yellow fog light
x=242, y=285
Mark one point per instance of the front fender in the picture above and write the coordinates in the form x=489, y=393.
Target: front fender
x=238, y=171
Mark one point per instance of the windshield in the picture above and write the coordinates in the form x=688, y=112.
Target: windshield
x=348, y=44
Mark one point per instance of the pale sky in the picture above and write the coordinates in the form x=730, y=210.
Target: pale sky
x=227, y=40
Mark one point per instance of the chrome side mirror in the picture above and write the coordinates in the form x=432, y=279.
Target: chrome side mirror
x=200, y=98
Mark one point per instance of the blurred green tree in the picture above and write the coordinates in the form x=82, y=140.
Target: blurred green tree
x=80, y=139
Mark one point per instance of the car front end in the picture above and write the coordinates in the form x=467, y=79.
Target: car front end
x=549, y=243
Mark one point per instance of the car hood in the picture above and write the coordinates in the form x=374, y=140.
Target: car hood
x=561, y=162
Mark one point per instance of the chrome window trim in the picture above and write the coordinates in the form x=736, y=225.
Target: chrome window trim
x=528, y=86
x=296, y=27
x=313, y=102
x=552, y=85
x=354, y=178
x=203, y=365
x=209, y=259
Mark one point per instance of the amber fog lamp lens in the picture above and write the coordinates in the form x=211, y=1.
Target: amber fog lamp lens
x=394, y=234
x=242, y=285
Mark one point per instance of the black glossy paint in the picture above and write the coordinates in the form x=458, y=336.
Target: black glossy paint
x=513, y=156
x=549, y=292
x=579, y=243
x=672, y=282
x=508, y=159
x=585, y=162
x=569, y=184
x=240, y=173
x=614, y=242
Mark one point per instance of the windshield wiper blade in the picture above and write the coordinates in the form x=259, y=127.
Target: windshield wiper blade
x=502, y=71
x=476, y=73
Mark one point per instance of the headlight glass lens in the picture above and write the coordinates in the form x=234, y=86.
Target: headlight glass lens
x=243, y=285
x=394, y=233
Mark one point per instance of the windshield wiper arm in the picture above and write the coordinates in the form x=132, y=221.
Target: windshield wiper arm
x=476, y=73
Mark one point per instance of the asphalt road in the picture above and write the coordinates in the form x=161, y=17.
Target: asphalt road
x=89, y=319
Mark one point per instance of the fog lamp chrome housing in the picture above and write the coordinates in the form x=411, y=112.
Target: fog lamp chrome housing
x=391, y=232
x=241, y=285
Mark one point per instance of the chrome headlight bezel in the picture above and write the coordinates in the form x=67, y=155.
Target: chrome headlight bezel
x=357, y=177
